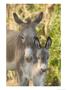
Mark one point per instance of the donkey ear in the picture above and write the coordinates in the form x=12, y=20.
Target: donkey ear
x=37, y=42
x=48, y=43
x=38, y=18
x=17, y=19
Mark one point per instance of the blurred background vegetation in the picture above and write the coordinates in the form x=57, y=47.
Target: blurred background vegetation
x=49, y=26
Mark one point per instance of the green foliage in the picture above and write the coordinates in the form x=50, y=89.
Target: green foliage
x=55, y=50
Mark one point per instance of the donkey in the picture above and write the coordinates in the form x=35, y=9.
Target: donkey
x=40, y=65
x=22, y=45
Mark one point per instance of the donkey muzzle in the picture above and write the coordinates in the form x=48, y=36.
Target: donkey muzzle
x=28, y=54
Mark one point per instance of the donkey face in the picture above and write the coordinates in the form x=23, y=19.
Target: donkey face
x=27, y=39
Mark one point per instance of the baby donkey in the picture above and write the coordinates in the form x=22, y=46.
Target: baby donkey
x=40, y=65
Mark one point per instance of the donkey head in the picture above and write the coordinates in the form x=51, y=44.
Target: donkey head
x=43, y=55
x=27, y=39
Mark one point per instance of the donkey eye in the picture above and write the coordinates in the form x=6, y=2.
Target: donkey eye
x=22, y=37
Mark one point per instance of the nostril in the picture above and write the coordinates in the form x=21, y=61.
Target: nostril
x=43, y=70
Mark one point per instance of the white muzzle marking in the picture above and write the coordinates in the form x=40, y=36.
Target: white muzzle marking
x=28, y=52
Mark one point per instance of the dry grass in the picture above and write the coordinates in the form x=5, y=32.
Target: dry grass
x=13, y=80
